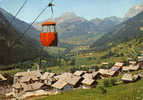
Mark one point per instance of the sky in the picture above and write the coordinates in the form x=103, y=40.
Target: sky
x=88, y=9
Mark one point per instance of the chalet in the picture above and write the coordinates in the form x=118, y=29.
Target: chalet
x=89, y=83
x=70, y=78
x=126, y=69
x=131, y=68
x=119, y=64
x=27, y=76
x=115, y=68
x=107, y=73
x=140, y=58
x=132, y=62
x=63, y=76
x=32, y=87
x=134, y=68
x=61, y=86
x=94, y=75
x=47, y=75
x=129, y=78
x=74, y=81
x=79, y=73
x=48, y=78
x=17, y=88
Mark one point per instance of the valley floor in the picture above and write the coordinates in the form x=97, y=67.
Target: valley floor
x=131, y=91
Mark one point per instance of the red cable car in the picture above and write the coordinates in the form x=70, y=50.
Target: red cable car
x=49, y=36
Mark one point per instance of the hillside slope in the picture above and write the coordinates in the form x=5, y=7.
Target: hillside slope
x=124, y=31
x=14, y=49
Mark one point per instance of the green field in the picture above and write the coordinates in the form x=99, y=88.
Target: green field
x=131, y=91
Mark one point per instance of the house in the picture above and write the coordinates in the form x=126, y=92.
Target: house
x=94, y=75
x=61, y=86
x=140, y=58
x=75, y=81
x=32, y=87
x=17, y=88
x=129, y=78
x=107, y=72
x=134, y=67
x=70, y=78
x=47, y=75
x=131, y=68
x=48, y=78
x=27, y=76
x=63, y=76
x=79, y=73
x=119, y=64
x=27, y=81
x=126, y=69
x=132, y=62
x=115, y=68
x=89, y=83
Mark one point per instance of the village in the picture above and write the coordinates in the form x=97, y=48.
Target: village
x=36, y=83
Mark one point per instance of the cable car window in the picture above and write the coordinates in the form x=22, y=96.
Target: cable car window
x=45, y=29
x=51, y=28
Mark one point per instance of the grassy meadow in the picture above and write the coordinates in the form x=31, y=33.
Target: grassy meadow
x=131, y=91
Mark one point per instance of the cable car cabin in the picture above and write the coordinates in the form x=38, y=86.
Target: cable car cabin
x=49, y=36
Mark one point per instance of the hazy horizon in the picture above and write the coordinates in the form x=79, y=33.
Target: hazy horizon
x=86, y=9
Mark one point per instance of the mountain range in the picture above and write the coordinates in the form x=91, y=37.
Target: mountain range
x=69, y=25
x=76, y=30
x=129, y=29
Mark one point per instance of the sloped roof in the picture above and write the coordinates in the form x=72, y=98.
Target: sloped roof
x=114, y=68
x=74, y=80
x=119, y=64
x=136, y=67
x=107, y=72
x=36, y=85
x=2, y=77
x=60, y=84
x=90, y=75
x=64, y=76
x=79, y=73
x=21, y=74
x=47, y=75
x=36, y=73
x=88, y=81
x=127, y=77
x=17, y=85
x=132, y=62
x=126, y=68
x=27, y=87
x=25, y=78
x=131, y=67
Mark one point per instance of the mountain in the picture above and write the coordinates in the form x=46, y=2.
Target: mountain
x=21, y=26
x=14, y=48
x=124, y=31
x=107, y=24
x=77, y=30
x=134, y=10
